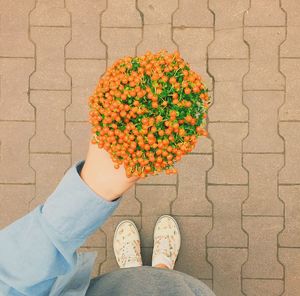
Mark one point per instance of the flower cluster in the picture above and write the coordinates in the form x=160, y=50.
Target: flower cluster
x=148, y=111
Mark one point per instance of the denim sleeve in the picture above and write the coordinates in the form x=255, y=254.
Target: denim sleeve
x=40, y=247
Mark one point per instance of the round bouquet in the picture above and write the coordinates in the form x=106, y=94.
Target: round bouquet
x=148, y=111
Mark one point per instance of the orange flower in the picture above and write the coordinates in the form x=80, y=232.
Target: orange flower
x=140, y=115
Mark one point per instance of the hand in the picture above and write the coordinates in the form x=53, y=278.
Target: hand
x=101, y=176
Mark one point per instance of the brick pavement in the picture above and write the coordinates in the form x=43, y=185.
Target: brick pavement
x=236, y=197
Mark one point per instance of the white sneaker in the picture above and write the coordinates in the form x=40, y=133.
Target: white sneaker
x=126, y=245
x=167, y=241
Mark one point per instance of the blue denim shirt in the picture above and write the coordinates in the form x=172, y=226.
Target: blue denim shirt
x=38, y=251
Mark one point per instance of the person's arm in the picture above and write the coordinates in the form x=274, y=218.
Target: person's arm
x=41, y=246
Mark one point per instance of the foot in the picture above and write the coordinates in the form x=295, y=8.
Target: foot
x=127, y=245
x=166, y=242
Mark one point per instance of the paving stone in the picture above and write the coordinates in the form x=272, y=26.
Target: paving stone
x=228, y=41
x=161, y=178
x=156, y=11
x=227, y=167
x=228, y=14
x=290, y=257
x=193, y=13
x=291, y=46
x=50, y=13
x=227, y=270
x=290, y=235
x=79, y=133
x=265, y=13
x=129, y=206
x=191, y=39
x=155, y=201
x=292, y=8
x=227, y=104
x=110, y=264
x=50, y=116
x=155, y=198
x=113, y=16
x=291, y=107
x=45, y=165
x=50, y=67
x=263, y=287
x=290, y=174
x=262, y=253
x=85, y=77
x=263, y=128
x=12, y=93
x=96, y=240
x=203, y=145
x=14, y=202
x=156, y=37
x=191, y=199
x=101, y=254
x=85, y=41
x=14, y=29
x=264, y=43
x=14, y=152
x=147, y=256
x=121, y=42
x=192, y=255
x=263, y=190
x=227, y=231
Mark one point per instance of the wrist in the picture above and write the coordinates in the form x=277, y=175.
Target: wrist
x=100, y=174
x=99, y=183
